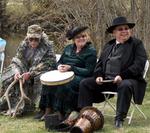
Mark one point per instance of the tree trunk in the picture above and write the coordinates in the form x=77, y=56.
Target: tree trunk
x=2, y=14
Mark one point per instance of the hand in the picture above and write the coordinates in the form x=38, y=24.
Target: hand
x=64, y=68
x=117, y=79
x=26, y=76
x=99, y=80
x=17, y=76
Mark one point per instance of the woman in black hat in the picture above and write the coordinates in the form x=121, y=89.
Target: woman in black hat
x=80, y=57
x=122, y=61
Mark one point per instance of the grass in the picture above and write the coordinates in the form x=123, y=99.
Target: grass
x=28, y=125
x=24, y=125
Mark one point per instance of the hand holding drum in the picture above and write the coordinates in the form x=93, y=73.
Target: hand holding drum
x=64, y=67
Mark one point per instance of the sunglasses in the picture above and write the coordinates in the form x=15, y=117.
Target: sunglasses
x=123, y=29
x=34, y=39
x=81, y=36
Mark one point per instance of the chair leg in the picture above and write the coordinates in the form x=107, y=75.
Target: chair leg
x=131, y=115
x=112, y=105
x=142, y=113
x=2, y=62
x=105, y=102
x=135, y=106
x=108, y=102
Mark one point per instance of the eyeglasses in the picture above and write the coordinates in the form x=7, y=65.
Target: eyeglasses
x=81, y=36
x=34, y=39
x=123, y=29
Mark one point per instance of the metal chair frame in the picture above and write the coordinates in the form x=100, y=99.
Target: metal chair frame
x=2, y=54
x=2, y=58
x=135, y=106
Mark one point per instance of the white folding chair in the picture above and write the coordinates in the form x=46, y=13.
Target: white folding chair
x=135, y=106
x=58, y=57
x=2, y=54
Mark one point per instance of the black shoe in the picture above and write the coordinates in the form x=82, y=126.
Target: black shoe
x=118, y=124
x=39, y=115
x=67, y=124
x=52, y=120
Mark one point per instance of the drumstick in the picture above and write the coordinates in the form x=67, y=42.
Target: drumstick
x=106, y=81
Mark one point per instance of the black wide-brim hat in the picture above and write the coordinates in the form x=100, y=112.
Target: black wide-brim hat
x=119, y=21
x=75, y=31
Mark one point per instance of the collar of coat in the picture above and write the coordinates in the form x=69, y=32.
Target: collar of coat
x=113, y=41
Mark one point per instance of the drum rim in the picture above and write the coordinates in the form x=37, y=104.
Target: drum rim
x=54, y=73
x=58, y=82
x=98, y=112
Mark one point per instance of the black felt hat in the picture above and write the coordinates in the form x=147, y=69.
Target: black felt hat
x=119, y=21
x=75, y=31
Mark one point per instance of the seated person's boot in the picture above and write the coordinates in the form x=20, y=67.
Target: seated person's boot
x=39, y=114
x=47, y=112
x=119, y=119
x=118, y=123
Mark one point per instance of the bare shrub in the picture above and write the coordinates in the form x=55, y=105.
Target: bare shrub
x=56, y=16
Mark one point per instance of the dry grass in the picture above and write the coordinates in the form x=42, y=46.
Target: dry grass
x=28, y=125
x=22, y=125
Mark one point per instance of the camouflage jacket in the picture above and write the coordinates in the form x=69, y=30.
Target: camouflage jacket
x=43, y=60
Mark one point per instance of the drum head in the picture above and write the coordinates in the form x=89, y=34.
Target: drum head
x=56, y=78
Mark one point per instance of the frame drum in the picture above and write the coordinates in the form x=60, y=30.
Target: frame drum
x=56, y=77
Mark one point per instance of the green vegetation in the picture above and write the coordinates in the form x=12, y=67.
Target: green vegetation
x=29, y=125
x=55, y=17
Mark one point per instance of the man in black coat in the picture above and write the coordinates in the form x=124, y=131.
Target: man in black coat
x=122, y=60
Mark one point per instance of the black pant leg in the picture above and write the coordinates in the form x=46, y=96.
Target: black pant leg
x=90, y=92
x=125, y=91
x=47, y=97
x=86, y=89
x=42, y=103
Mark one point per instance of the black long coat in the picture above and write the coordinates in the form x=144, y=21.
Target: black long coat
x=132, y=64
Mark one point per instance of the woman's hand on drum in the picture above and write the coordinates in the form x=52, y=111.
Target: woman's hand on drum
x=64, y=68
